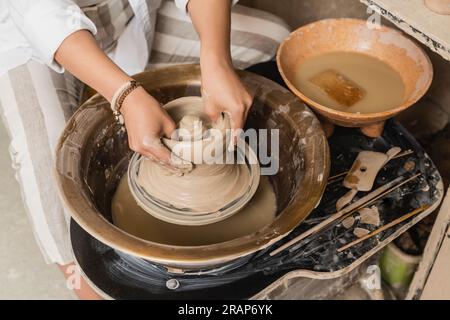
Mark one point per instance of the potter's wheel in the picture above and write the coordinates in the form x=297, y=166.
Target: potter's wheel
x=93, y=151
x=120, y=275
x=216, y=182
x=123, y=266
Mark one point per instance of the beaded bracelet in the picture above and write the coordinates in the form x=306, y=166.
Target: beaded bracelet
x=121, y=94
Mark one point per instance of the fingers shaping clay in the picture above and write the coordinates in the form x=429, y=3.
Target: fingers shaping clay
x=197, y=136
x=214, y=189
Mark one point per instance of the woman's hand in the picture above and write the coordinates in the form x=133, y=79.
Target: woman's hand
x=145, y=120
x=146, y=123
x=223, y=91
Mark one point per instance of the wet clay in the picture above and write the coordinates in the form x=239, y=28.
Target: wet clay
x=376, y=86
x=207, y=188
x=194, y=135
x=131, y=218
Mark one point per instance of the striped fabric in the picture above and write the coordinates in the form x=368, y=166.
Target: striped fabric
x=111, y=18
x=36, y=102
x=255, y=36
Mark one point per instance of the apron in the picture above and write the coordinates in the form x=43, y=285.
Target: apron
x=111, y=17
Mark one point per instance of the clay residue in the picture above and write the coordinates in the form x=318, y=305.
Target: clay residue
x=347, y=223
x=360, y=232
x=207, y=188
x=352, y=179
x=370, y=216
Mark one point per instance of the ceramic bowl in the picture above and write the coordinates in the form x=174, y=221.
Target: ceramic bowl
x=353, y=35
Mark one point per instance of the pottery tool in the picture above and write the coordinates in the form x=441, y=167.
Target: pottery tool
x=349, y=214
x=338, y=87
x=365, y=206
x=346, y=199
x=370, y=216
x=385, y=227
x=366, y=167
x=342, y=174
x=349, y=210
x=363, y=173
x=339, y=175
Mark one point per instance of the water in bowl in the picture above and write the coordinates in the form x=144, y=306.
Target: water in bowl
x=351, y=82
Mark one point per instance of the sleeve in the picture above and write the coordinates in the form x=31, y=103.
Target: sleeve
x=182, y=4
x=46, y=23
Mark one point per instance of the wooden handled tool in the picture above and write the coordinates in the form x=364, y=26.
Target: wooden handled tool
x=355, y=206
x=385, y=227
x=342, y=174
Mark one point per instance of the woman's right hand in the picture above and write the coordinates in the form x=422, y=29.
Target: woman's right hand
x=146, y=122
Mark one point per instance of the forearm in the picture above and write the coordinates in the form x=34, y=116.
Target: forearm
x=222, y=89
x=81, y=56
x=212, y=20
x=145, y=120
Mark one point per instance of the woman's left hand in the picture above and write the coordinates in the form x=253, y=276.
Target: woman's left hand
x=223, y=91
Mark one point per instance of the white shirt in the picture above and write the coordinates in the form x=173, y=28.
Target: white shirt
x=34, y=29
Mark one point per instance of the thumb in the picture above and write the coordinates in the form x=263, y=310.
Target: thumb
x=168, y=126
x=155, y=150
